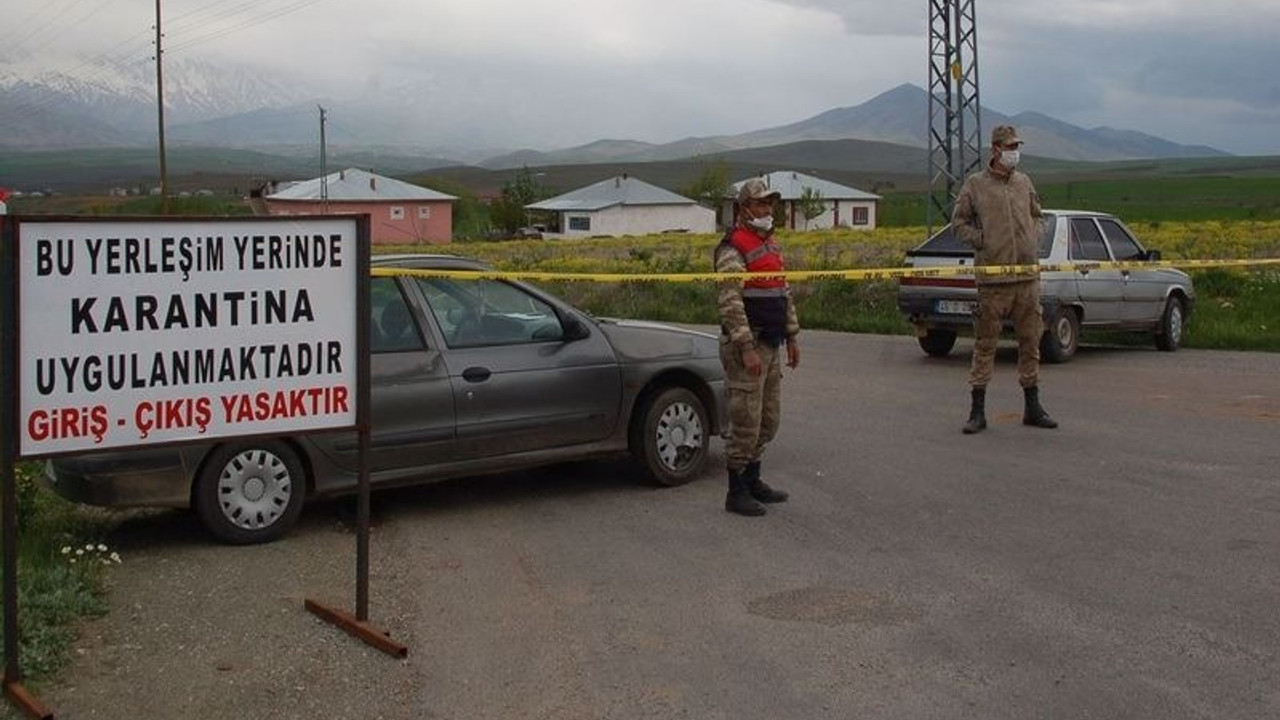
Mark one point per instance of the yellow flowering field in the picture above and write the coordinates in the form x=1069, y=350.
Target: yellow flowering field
x=827, y=249
x=1235, y=310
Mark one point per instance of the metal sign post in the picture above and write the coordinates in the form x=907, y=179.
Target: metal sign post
x=13, y=688
x=358, y=625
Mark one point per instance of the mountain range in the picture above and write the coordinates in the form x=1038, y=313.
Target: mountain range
x=897, y=117
x=227, y=107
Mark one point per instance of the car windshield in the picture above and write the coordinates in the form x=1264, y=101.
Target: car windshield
x=946, y=242
x=472, y=313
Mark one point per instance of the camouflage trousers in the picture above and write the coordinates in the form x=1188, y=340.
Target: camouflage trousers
x=1021, y=303
x=755, y=402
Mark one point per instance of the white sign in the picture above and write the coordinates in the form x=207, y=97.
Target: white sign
x=147, y=331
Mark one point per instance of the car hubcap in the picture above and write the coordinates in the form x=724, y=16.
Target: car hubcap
x=1175, y=323
x=254, y=489
x=1065, y=336
x=679, y=435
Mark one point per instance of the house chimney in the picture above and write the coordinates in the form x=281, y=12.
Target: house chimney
x=373, y=184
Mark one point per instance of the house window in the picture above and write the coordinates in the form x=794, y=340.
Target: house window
x=424, y=212
x=397, y=213
x=859, y=216
x=582, y=224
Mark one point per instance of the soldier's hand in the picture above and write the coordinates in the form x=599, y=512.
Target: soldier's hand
x=751, y=362
x=793, y=353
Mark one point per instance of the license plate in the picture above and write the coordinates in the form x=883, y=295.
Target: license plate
x=956, y=307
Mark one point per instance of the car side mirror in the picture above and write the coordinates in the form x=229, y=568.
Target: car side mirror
x=574, y=328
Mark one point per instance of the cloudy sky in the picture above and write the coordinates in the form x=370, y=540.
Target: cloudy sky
x=554, y=73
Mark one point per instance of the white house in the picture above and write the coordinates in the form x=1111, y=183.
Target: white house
x=842, y=206
x=624, y=206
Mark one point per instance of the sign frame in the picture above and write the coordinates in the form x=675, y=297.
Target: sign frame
x=355, y=259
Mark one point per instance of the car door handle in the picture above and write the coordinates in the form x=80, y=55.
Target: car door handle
x=476, y=374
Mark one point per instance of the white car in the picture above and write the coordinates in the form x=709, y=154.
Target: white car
x=1149, y=300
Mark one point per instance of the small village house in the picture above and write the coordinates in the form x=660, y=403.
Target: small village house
x=400, y=213
x=623, y=205
x=842, y=206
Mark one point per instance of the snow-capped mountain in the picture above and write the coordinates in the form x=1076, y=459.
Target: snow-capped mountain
x=88, y=104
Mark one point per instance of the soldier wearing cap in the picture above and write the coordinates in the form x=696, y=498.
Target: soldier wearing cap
x=757, y=319
x=998, y=213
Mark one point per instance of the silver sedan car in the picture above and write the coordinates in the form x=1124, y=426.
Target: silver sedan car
x=1078, y=296
x=467, y=377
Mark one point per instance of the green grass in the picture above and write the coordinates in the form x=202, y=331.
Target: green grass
x=1236, y=311
x=62, y=566
x=1170, y=199
x=1133, y=199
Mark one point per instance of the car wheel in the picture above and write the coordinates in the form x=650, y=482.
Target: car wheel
x=938, y=342
x=250, y=492
x=1062, y=337
x=1169, y=334
x=670, y=436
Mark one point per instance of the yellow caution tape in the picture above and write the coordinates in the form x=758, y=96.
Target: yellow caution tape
x=804, y=275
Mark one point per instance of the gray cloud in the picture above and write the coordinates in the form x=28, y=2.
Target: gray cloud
x=559, y=72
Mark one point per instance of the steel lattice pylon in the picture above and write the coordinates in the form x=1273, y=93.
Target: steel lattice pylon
x=955, y=128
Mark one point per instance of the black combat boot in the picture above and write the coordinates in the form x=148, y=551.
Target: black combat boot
x=1035, y=415
x=758, y=488
x=739, y=499
x=977, y=412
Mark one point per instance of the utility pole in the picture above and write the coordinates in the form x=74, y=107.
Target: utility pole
x=324, y=171
x=955, y=125
x=164, y=168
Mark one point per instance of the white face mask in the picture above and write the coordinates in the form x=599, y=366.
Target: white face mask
x=761, y=224
x=1010, y=158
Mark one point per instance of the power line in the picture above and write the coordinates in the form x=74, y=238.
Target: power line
x=37, y=25
x=105, y=64
x=208, y=15
x=247, y=23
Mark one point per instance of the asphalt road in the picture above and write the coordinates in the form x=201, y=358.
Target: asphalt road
x=1122, y=566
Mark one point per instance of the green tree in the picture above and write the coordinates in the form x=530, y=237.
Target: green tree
x=810, y=204
x=712, y=186
x=508, y=212
x=470, y=216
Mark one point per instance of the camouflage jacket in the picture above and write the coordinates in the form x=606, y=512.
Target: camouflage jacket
x=1000, y=218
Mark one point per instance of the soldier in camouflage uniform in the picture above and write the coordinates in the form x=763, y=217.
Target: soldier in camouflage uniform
x=998, y=213
x=757, y=318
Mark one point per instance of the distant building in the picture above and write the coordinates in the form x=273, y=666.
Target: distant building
x=842, y=206
x=624, y=206
x=400, y=213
